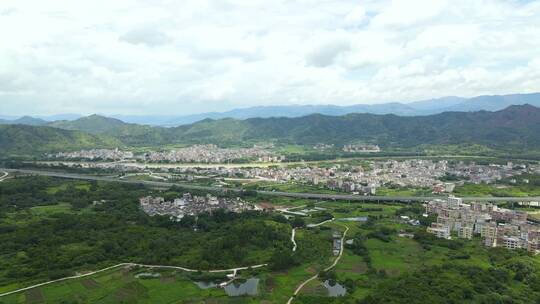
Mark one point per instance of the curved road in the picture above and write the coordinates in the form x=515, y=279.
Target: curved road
x=273, y=193
x=326, y=269
x=293, y=233
x=234, y=270
x=4, y=176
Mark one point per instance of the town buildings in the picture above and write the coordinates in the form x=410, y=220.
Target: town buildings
x=213, y=154
x=360, y=148
x=193, y=154
x=364, y=179
x=95, y=154
x=336, y=244
x=191, y=205
x=498, y=227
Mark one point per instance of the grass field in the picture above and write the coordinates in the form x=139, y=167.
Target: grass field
x=493, y=190
x=404, y=191
x=289, y=187
x=388, y=259
x=121, y=286
x=79, y=185
x=48, y=210
x=118, y=286
x=535, y=214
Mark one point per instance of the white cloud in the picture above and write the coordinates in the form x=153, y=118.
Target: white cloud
x=356, y=16
x=409, y=12
x=450, y=37
x=163, y=57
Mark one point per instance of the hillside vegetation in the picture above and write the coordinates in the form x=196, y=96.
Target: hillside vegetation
x=26, y=140
x=515, y=128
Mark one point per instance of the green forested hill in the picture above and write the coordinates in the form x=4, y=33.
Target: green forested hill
x=130, y=134
x=25, y=140
x=517, y=127
x=94, y=124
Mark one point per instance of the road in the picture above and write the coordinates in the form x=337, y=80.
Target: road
x=233, y=270
x=281, y=164
x=4, y=176
x=293, y=233
x=321, y=223
x=320, y=196
x=326, y=269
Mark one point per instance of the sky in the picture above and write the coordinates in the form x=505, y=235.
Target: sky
x=142, y=57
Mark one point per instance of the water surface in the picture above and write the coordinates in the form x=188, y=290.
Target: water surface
x=334, y=289
x=247, y=287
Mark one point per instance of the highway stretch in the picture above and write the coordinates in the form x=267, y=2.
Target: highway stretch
x=346, y=197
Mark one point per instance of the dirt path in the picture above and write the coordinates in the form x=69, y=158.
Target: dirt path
x=291, y=299
x=233, y=270
x=292, y=239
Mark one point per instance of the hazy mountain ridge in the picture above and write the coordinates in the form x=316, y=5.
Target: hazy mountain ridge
x=418, y=108
x=516, y=127
x=24, y=120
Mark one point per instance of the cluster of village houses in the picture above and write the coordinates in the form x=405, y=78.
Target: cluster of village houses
x=191, y=205
x=408, y=173
x=361, y=148
x=351, y=148
x=498, y=227
x=213, y=154
x=194, y=154
x=336, y=243
x=94, y=154
x=356, y=179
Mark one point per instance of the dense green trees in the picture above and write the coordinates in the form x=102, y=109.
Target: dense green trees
x=54, y=244
x=32, y=140
x=282, y=259
x=515, y=128
x=452, y=283
x=298, y=222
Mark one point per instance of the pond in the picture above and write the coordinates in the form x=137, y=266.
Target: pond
x=247, y=287
x=334, y=289
x=147, y=275
x=354, y=219
x=205, y=284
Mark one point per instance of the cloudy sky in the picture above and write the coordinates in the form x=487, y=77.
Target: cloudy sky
x=188, y=56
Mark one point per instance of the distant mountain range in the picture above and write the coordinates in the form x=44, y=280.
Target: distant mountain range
x=25, y=120
x=514, y=128
x=419, y=108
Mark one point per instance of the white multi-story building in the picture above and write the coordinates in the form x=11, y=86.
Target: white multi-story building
x=440, y=230
x=465, y=232
x=497, y=226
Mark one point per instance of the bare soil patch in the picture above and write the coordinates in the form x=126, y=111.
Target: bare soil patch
x=357, y=268
x=311, y=270
x=167, y=280
x=314, y=289
x=34, y=295
x=90, y=284
x=270, y=284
